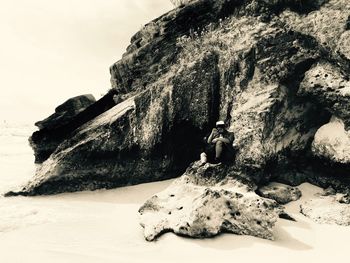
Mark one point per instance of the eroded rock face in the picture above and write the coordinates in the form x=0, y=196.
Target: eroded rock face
x=205, y=202
x=281, y=193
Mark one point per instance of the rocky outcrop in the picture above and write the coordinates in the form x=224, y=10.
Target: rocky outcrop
x=43, y=141
x=281, y=193
x=205, y=202
x=66, y=111
x=273, y=70
x=68, y=117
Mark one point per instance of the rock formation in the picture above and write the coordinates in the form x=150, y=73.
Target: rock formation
x=276, y=71
x=66, y=111
x=68, y=117
x=63, y=115
x=205, y=201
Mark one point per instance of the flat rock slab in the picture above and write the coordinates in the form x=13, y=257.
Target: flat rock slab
x=203, y=204
x=281, y=193
x=327, y=210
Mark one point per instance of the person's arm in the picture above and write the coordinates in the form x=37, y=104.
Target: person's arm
x=211, y=136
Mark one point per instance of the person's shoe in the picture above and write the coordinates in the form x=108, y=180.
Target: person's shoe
x=201, y=164
x=216, y=161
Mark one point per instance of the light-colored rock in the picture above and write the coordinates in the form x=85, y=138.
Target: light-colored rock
x=328, y=82
x=327, y=210
x=281, y=193
x=205, y=202
x=332, y=142
x=180, y=2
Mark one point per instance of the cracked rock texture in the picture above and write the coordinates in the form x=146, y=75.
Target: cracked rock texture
x=276, y=71
x=281, y=193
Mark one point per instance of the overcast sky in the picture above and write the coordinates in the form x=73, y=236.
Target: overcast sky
x=53, y=50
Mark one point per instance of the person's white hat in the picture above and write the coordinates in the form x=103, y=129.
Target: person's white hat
x=220, y=123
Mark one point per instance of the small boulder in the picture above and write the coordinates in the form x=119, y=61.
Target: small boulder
x=332, y=142
x=281, y=193
x=327, y=210
x=66, y=111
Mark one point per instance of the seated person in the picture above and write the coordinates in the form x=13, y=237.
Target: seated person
x=219, y=145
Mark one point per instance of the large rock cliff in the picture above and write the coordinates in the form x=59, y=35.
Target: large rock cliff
x=277, y=71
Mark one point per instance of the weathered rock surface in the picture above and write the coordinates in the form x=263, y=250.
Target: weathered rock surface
x=281, y=193
x=327, y=210
x=260, y=65
x=205, y=202
x=328, y=86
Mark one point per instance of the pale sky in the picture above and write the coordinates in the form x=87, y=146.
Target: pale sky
x=53, y=50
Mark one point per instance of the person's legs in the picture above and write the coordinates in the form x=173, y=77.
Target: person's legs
x=203, y=158
x=210, y=152
x=219, y=147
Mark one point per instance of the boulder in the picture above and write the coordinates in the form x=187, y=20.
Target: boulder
x=66, y=111
x=208, y=200
x=68, y=117
x=332, y=142
x=281, y=193
x=328, y=86
x=327, y=210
